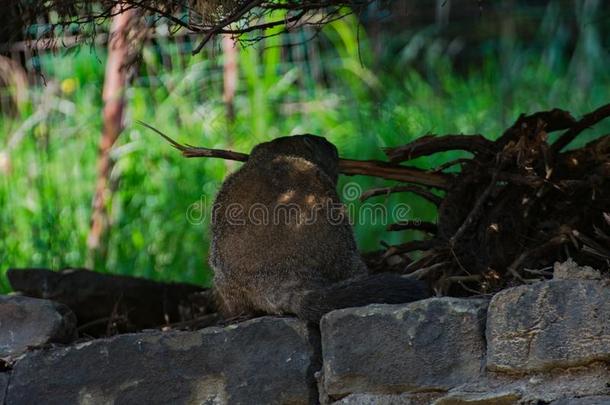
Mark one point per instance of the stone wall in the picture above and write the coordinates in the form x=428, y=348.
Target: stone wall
x=544, y=343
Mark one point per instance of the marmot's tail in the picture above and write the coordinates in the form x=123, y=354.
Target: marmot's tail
x=384, y=288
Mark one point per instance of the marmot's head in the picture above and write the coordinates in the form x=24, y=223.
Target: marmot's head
x=309, y=147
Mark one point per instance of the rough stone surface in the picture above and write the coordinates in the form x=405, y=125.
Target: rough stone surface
x=265, y=360
x=538, y=388
x=3, y=386
x=579, y=381
x=549, y=324
x=433, y=344
x=486, y=398
x=399, y=399
x=570, y=270
x=30, y=322
x=547, y=343
x=594, y=400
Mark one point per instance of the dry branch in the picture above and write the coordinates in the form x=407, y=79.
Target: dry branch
x=348, y=167
x=430, y=144
x=587, y=121
x=197, y=151
x=208, y=18
x=425, y=272
x=423, y=226
x=420, y=191
x=554, y=120
x=391, y=171
x=518, y=202
x=413, y=246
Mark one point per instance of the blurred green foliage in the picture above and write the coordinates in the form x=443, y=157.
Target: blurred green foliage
x=357, y=102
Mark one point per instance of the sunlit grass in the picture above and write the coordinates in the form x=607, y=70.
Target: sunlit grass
x=46, y=196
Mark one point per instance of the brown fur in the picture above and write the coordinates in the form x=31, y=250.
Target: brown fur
x=291, y=262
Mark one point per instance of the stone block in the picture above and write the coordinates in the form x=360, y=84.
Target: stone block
x=31, y=322
x=432, y=344
x=261, y=361
x=549, y=324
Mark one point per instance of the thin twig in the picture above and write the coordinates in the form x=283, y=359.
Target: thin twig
x=556, y=241
x=451, y=163
x=431, y=144
x=587, y=121
x=423, y=226
x=475, y=212
x=411, y=246
x=197, y=151
x=426, y=271
x=553, y=120
x=420, y=191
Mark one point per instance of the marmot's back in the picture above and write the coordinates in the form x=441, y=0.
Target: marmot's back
x=279, y=231
x=281, y=212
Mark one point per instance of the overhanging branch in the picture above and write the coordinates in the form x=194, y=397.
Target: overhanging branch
x=205, y=17
x=349, y=167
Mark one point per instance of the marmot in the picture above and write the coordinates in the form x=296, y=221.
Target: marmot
x=282, y=243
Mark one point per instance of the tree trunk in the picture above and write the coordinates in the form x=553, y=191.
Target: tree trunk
x=115, y=82
x=229, y=47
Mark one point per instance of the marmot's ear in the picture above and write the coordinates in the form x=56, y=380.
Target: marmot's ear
x=309, y=144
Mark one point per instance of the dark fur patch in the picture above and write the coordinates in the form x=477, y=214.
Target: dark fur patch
x=384, y=288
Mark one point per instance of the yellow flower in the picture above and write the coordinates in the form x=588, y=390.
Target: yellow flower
x=68, y=86
x=41, y=130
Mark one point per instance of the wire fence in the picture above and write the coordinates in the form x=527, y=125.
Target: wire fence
x=25, y=65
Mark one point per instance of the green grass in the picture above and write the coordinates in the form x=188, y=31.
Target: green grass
x=45, y=199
